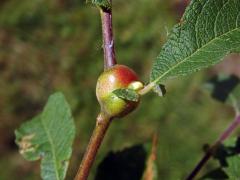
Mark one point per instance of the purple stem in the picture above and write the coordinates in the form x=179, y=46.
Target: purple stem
x=103, y=121
x=108, y=41
x=211, y=150
x=229, y=130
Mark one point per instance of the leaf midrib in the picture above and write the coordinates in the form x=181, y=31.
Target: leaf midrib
x=185, y=59
x=52, y=147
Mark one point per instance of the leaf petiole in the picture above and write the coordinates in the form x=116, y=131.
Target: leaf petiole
x=146, y=89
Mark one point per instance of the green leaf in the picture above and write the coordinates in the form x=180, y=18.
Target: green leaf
x=105, y=4
x=127, y=94
x=232, y=170
x=233, y=158
x=208, y=31
x=49, y=137
x=228, y=156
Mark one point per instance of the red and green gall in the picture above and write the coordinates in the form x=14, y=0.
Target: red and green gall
x=118, y=76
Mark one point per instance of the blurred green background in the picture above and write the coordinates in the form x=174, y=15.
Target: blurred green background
x=48, y=46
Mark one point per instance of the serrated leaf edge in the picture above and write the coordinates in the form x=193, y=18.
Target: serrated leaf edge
x=157, y=80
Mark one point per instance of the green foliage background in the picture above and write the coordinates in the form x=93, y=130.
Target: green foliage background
x=47, y=46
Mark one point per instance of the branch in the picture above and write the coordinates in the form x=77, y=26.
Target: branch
x=212, y=149
x=108, y=41
x=103, y=121
x=95, y=141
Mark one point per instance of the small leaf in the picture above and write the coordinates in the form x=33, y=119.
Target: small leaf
x=208, y=31
x=233, y=159
x=105, y=4
x=228, y=156
x=225, y=88
x=233, y=169
x=49, y=137
x=160, y=90
x=127, y=94
x=230, y=148
x=221, y=86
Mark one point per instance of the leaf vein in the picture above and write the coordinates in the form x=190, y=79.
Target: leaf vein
x=52, y=149
x=184, y=60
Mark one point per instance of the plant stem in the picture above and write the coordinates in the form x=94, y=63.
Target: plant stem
x=212, y=149
x=146, y=89
x=108, y=41
x=101, y=127
x=103, y=121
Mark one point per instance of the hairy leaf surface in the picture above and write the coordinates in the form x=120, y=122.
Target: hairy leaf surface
x=209, y=30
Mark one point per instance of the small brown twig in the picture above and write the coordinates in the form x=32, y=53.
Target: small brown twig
x=212, y=149
x=93, y=146
x=149, y=173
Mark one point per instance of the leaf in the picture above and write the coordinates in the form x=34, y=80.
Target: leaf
x=208, y=31
x=127, y=94
x=222, y=86
x=49, y=137
x=225, y=88
x=105, y=4
x=233, y=167
x=233, y=160
x=132, y=163
x=127, y=164
x=160, y=90
x=228, y=156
